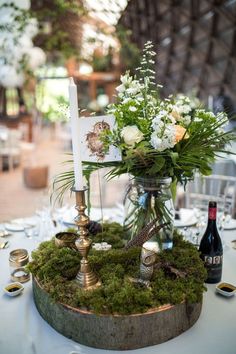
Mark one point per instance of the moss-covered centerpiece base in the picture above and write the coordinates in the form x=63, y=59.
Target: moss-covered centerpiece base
x=120, y=314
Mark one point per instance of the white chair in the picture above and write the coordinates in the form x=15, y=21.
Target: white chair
x=10, y=148
x=224, y=166
x=221, y=189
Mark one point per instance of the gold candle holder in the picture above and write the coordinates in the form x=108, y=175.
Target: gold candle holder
x=85, y=277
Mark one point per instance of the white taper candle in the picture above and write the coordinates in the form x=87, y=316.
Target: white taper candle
x=74, y=120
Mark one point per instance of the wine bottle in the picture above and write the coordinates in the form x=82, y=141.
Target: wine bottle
x=211, y=250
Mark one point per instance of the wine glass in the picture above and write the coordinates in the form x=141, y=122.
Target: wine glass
x=225, y=215
x=46, y=225
x=200, y=213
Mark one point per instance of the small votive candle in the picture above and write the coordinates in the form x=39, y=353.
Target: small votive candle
x=103, y=246
x=97, y=246
x=17, y=260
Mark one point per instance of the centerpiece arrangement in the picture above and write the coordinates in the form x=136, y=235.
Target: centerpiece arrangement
x=162, y=142
x=131, y=296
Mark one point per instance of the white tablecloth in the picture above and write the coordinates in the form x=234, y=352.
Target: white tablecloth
x=23, y=331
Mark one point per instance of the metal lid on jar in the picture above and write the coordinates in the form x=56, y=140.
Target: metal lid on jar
x=18, y=257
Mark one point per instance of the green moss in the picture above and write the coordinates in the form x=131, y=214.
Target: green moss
x=113, y=234
x=56, y=269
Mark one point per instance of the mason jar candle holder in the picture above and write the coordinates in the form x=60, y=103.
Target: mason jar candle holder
x=18, y=259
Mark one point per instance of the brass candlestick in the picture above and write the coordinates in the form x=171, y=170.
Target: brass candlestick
x=85, y=277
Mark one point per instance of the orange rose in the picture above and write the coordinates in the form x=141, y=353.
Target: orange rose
x=180, y=133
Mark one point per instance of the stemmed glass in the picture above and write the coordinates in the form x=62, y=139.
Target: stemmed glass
x=200, y=213
x=46, y=227
x=58, y=215
x=225, y=215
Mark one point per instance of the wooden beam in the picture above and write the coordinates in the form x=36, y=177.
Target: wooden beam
x=231, y=57
x=213, y=31
x=189, y=44
x=228, y=15
x=174, y=19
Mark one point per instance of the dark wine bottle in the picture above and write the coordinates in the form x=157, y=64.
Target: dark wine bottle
x=211, y=250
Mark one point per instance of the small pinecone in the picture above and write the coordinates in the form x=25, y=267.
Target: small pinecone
x=94, y=227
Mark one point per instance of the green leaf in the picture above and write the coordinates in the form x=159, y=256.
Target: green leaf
x=174, y=156
x=173, y=188
x=206, y=170
x=157, y=166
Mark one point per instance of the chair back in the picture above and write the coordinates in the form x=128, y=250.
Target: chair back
x=224, y=167
x=14, y=139
x=221, y=189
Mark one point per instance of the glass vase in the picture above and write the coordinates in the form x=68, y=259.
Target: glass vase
x=148, y=199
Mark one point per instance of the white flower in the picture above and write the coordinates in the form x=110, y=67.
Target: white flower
x=163, y=117
x=127, y=99
x=172, y=118
x=128, y=86
x=139, y=98
x=195, y=102
x=120, y=88
x=155, y=141
x=185, y=108
x=186, y=120
x=200, y=112
x=212, y=115
x=126, y=79
x=178, y=113
x=131, y=135
x=133, y=90
x=157, y=124
x=197, y=119
x=183, y=104
x=182, y=108
x=163, y=113
x=132, y=109
x=164, y=138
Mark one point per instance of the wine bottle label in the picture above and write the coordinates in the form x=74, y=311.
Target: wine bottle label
x=212, y=213
x=214, y=274
x=208, y=260
x=213, y=265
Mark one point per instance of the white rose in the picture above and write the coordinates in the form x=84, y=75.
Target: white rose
x=131, y=135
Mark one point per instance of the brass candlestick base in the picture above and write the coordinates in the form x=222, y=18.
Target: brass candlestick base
x=85, y=277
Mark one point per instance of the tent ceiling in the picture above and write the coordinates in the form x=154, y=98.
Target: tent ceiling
x=195, y=40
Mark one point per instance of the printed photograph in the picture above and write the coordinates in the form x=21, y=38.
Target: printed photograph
x=93, y=149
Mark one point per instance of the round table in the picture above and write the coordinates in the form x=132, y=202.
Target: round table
x=23, y=330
